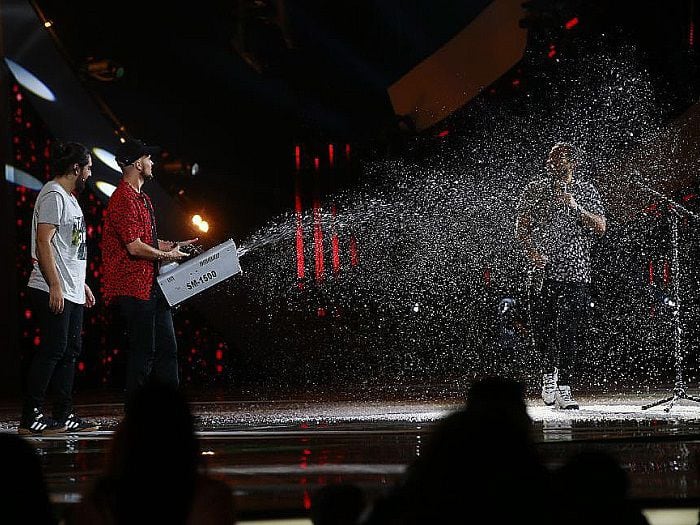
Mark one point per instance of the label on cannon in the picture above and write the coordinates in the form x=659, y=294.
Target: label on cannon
x=199, y=273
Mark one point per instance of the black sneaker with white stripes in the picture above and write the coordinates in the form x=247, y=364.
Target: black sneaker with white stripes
x=37, y=423
x=75, y=424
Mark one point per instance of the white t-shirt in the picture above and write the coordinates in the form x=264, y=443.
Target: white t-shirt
x=55, y=206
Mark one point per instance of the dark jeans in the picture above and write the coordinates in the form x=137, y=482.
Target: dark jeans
x=557, y=312
x=152, y=346
x=53, y=365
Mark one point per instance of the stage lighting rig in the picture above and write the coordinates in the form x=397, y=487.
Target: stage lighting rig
x=104, y=70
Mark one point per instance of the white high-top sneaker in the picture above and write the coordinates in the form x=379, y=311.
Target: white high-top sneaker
x=563, y=399
x=549, y=387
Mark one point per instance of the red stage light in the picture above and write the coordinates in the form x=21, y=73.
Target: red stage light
x=572, y=23
x=81, y=366
x=691, y=34
x=299, y=232
x=444, y=133
x=331, y=155
x=318, y=240
x=219, y=355
x=354, y=257
x=297, y=157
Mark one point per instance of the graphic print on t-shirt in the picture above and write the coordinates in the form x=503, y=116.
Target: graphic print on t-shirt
x=79, y=237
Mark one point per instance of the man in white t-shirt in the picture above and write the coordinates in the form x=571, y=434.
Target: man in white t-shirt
x=58, y=292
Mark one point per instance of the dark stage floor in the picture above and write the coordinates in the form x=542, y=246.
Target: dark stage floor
x=274, y=454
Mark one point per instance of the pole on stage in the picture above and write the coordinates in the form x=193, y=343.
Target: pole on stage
x=679, y=387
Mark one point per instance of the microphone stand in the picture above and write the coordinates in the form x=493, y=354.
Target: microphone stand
x=679, y=387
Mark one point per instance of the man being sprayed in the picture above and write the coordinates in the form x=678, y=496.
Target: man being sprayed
x=558, y=219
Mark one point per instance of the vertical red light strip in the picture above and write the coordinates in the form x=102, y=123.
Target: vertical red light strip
x=354, y=258
x=318, y=240
x=691, y=35
x=651, y=271
x=300, y=229
x=297, y=157
x=318, y=232
x=331, y=155
x=347, y=151
x=335, y=248
x=487, y=276
x=691, y=26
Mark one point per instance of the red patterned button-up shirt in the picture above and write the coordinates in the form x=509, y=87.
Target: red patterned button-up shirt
x=129, y=216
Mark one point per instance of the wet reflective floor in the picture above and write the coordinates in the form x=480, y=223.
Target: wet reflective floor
x=274, y=454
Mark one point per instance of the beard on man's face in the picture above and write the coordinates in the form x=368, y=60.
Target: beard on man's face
x=80, y=184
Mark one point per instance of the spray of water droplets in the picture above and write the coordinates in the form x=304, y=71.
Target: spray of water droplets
x=437, y=257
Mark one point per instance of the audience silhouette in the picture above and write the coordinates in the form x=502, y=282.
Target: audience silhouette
x=480, y=465
x=24, y=498
x=592, y=488
x=337, y=505
x=153, y=474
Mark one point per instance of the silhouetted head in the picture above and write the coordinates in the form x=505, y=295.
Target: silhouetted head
x=24, y=498
x=154, y=460
x=337, y=505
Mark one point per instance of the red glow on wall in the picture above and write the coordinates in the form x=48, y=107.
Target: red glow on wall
x=318, y=241
x=297, y=157
x=317, y=163
x=307, y=500
x=347, y=151
x=552, y=51
x=299, y=232
x=572, y=23
x=516, y=82
x=331, y=155
x=219, y=369
x=37, y=340
x=354, y=257
x=651, y=272
x=321, y=312
x=27, y=314
x=81, y=366
x=219, y=355
x=443, y=133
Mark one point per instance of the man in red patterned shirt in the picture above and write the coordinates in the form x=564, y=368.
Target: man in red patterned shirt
x=132, y=254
